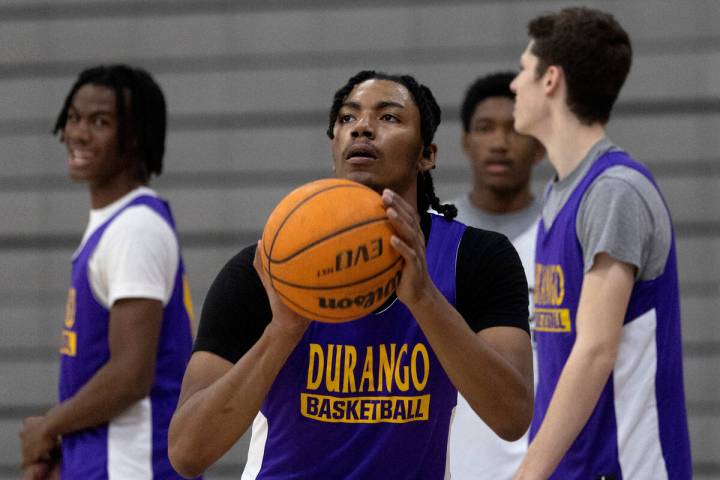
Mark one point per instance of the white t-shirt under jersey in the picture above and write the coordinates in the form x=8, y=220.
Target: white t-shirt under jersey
x=137, y=256
x=474, y=450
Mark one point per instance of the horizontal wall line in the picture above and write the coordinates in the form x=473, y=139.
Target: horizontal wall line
x=44, y=242
x=700, y=106
x=229, y=238
x=248, y=62
x=223, y=179
x=49, y=11
x=707, y=468
x=55, y=298
x=45, y=354
x=324, y=59
x=9, y=412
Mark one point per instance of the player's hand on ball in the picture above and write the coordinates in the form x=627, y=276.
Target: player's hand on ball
x=409, y=241
x=288, y=320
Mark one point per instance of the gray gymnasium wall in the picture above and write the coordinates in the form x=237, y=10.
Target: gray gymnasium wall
x=248, y=85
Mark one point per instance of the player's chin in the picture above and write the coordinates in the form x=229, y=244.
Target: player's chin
x=366, y=178
x=77, y=175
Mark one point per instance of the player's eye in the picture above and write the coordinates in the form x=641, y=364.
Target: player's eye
x=389, y=118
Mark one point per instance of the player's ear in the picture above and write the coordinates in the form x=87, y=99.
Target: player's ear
x=428, y=157
x=552, y=78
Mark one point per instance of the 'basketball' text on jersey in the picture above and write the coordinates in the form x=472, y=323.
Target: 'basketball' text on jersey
x=385, y=368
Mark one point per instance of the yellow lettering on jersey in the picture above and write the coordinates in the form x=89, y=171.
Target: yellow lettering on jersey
x=552, y=320
x=420, y=350
x=69, y=338
x=349, y=368
x=386, y=368
x=70, y=307
x=394, y=409
x=332, y=378
x=317, y=361
x=549, y=285
x=69, y=343
x=367, y=373
x=402, y=380
x=187, y=299
x=549, y=295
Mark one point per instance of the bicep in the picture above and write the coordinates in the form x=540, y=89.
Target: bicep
x=513, y=344
x=603, y=301
x=202, y=371
x=134, y=332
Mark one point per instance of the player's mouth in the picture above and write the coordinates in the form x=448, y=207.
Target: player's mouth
x=79, y=158
x=499, y=166
x=361, y=154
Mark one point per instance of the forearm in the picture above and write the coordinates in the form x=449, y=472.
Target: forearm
x=499, y=392
x=209, y=422
x=107, y=394
x=581, y=382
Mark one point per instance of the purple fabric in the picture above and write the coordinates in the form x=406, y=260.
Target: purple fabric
x=347, y=431
x=559, y=277
x=85, y=452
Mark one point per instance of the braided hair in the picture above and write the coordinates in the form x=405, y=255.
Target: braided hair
x=145, y=121
x=429, y=120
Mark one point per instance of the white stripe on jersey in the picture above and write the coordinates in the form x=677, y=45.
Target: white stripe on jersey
x=638, y=436
x=256, y=451
x=130, y=443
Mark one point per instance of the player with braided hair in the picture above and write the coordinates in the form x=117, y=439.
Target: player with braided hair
x=370, y=398
x=127, y=333
x=430, y=116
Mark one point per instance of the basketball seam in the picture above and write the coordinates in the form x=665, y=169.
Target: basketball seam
x=295, y=208
x=326, y=237
x=334, y=287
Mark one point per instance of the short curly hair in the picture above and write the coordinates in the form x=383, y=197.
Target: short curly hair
x=492, y=85
x=594, y=52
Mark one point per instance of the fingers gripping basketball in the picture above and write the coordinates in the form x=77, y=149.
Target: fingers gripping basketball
x=326, y=248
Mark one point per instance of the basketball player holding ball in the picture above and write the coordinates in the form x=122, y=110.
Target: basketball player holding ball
x=372, y=397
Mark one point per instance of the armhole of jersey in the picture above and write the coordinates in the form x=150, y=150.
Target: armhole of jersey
x=256, y=450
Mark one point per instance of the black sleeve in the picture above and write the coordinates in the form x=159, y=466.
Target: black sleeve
x=236, y=309
x=492, y=290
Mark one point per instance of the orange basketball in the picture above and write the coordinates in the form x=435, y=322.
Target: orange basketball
x=326, y=248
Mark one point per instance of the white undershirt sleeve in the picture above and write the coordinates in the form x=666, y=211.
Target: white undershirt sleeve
x=137, y=257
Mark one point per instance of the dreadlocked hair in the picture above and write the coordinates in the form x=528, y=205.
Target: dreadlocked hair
x=430, y=116
x=142, y=126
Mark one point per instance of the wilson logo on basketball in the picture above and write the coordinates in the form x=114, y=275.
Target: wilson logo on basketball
x=365, y=301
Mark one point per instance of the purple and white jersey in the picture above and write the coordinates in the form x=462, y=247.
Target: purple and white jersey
x=362, y=399
x=134, y=444
x=638, y=428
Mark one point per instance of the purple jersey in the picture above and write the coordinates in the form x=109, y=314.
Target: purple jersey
x=362, y=399
x=638, y=428
x=87, y=454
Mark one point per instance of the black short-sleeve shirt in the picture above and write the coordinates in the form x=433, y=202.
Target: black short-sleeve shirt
x=490, y=281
